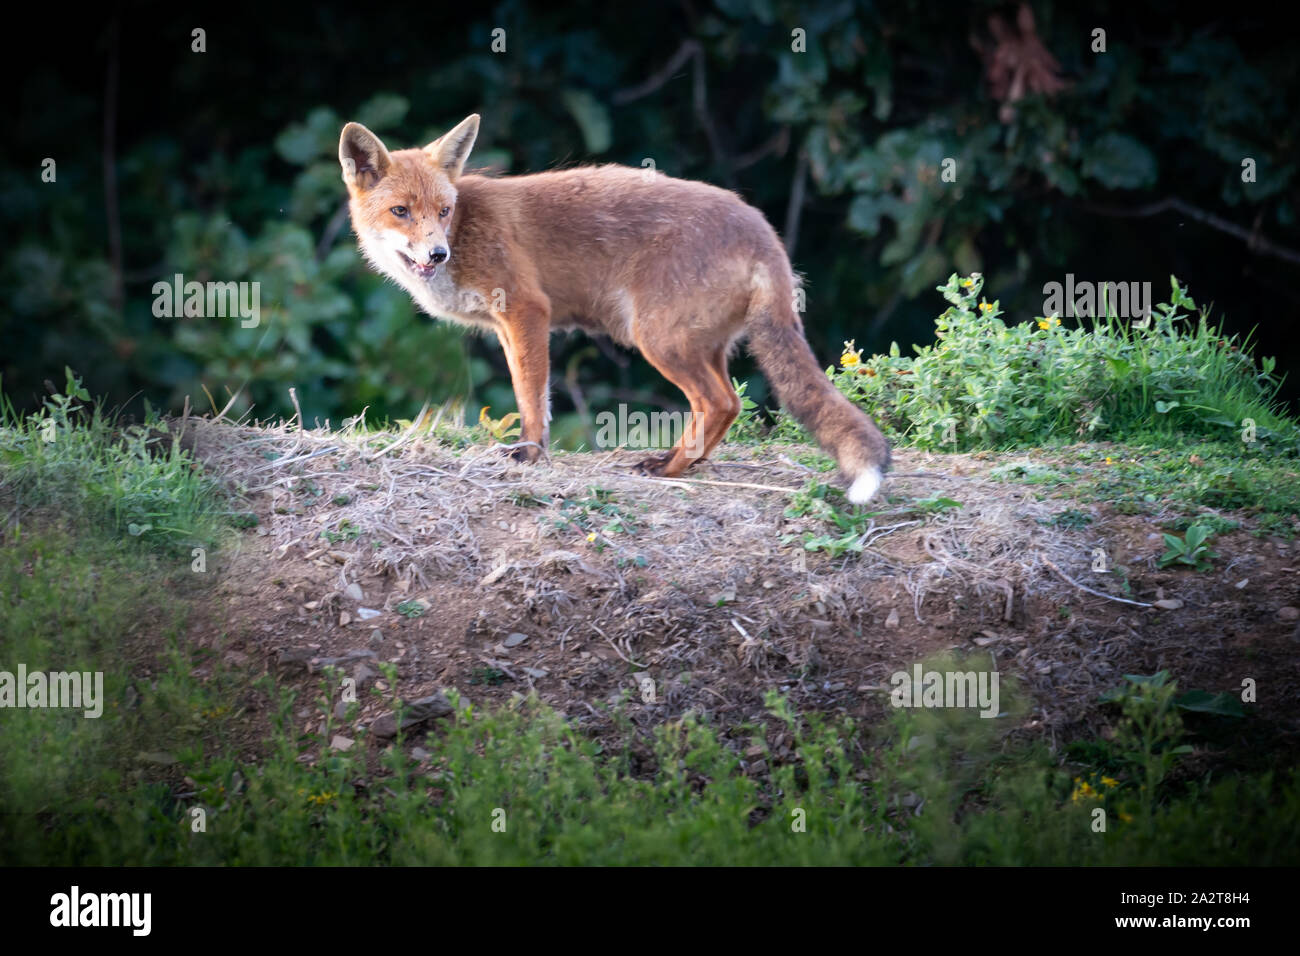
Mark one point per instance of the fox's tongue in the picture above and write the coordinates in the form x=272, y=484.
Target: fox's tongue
x=425, y=270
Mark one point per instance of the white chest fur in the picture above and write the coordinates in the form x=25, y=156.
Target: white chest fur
x=439, y=296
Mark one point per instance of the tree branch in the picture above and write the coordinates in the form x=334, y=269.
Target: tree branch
x=1254, y=241
x=689, y=48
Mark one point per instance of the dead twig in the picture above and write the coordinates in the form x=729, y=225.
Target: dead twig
x=1100, y=594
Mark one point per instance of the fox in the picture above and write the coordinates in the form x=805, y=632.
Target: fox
x=678, y=270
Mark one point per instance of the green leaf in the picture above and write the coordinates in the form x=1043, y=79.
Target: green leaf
x=1203, y=702
x=592, y=118
x=383, y=111
x=1119, y=162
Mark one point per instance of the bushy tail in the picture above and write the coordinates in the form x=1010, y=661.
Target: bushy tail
x=841, y=428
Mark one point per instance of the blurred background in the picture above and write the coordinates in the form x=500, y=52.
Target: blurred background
x=833, y=117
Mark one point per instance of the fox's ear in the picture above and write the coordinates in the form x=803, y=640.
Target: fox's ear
x=363, y=157
x=452, y=149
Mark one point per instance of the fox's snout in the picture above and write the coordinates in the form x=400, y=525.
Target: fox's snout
x=439, y=254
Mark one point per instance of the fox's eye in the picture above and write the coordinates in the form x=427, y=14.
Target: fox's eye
x=445, y=211
x=399, y=211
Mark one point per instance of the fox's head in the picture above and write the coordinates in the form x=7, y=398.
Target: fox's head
x=403, y=202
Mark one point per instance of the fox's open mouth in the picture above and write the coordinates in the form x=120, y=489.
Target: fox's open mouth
x=423, y=271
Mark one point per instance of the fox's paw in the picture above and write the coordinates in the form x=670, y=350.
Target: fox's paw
x=527, y=454
x=655, y=465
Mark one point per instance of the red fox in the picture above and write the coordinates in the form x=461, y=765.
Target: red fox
x=679, y=270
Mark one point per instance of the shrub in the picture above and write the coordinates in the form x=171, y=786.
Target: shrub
x=985, y=383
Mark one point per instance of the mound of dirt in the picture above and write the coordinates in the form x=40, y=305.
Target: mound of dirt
x=585, y=582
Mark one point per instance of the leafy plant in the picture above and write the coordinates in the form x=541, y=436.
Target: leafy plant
x=410, y=609
x=1192, y=549
x=985, y=383
x=502, y=429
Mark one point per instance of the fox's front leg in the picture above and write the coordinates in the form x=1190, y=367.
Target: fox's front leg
x=525, y=334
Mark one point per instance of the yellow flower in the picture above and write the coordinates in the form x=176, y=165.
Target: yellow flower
x=1109, y=460
x=1050, y=322
x=986, y=307
x=1109, y=782
x=1082, y=792
x=592, y=536
x=851, y=356
x=1125, y=817
x=967, y=283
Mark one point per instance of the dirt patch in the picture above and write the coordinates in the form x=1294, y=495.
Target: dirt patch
x=582, y=581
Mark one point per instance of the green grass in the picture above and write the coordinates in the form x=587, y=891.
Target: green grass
x=1178, y=477
x=134, y=479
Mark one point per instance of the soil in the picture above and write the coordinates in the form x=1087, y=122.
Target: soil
x=466, y=570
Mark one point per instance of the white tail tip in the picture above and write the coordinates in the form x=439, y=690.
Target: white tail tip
x=865, y=486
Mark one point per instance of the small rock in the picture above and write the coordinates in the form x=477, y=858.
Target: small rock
x=417, y=712
x=1167, y=604
x=1288, y=613
x=354, y=591
x=892, y=620
x=536, y=672
x=341, y=710
x=342, y=743
x=514, y=640
x=364, y=674
x=376, y=636
x=294, y=657
x=317, y=664
x=345, y=619
x=495, y=575
x=419, y=753
x=368, y=613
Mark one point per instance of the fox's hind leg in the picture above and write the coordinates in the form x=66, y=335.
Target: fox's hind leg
x=702, y=376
